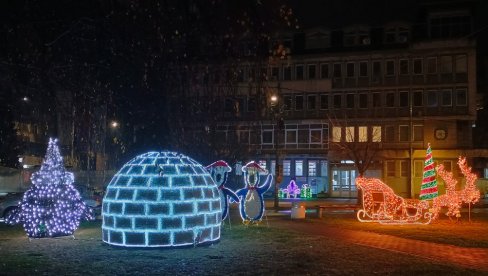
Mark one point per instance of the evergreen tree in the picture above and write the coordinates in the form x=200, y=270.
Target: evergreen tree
x=52, y=206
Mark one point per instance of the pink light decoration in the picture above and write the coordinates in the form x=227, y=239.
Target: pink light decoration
x=454, y=199
x=292, y=190
x=381, y=204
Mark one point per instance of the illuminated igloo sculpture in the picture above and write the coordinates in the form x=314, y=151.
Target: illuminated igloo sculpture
x=161, y=199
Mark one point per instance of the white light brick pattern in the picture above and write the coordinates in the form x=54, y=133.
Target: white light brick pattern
x=161, y=199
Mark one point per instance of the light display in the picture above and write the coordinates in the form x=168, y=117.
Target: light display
x=428, y=190
x=161, y=199
x=306, y=191
x=292, y=190
x=219, y=171
x=251, y=205
x=51, y=207
x=453, y=199
x=381, y=204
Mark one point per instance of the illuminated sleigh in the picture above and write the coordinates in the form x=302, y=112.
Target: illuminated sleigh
x=381, y=204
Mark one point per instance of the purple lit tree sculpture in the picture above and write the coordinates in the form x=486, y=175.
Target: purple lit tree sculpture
x=51, y=207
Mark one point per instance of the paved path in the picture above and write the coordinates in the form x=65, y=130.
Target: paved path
x=475, y=258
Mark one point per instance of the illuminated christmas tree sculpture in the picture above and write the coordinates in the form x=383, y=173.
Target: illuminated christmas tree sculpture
x=52, y=206
x=428, y=190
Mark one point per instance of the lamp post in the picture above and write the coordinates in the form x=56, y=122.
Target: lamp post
x=277, y=120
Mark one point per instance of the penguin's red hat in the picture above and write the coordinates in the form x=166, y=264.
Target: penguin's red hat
x=220, y=163
x=254, y=166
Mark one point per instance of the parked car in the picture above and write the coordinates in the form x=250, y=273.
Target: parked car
x=8, y=204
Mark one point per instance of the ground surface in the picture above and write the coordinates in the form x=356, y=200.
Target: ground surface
x=277, y=250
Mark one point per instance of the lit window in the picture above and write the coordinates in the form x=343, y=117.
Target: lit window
x=350, y=134
x=312, y=168
x=336, y=134
x=286, y=167
x=272, y=167
x=299, y=168
x=376, y=134
x=363, y=134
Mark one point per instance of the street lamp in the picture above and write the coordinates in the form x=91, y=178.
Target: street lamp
x=114, y=124
x=278, y=121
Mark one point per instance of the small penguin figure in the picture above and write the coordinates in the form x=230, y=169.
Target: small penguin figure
x=251, y=196
x=219, y=171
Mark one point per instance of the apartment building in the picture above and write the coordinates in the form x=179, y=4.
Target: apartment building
x=390, y=89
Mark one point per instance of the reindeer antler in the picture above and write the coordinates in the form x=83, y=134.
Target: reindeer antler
x=470, y=193
x=448, y=179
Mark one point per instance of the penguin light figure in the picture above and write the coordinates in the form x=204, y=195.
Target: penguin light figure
x=219, y=171
x=251, y=196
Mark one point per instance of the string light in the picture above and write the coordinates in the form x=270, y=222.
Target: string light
x=428, y=190
x=291, y=190
x=306, y=191
x=381, y=204
x=51, y=207
x=251, y=205
x=161, y=199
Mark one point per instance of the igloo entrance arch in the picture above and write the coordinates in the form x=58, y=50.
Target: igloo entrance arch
x=161, y=199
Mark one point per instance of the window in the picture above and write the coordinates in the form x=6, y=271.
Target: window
x=417, y=98
x=376, y=100
x=390, y=99
x=312, y=71
x=461, y=97
x=390, y=67
x=336, y=134
x=446, y=96
x=377, y=69
x=243, y=136
x=299, y=72
x=431, y=98
x=262, y=163
x=362, y=134
x=251, y=104
x=404, y=99
x=337, y=70
x=417, y=66
x=350, y=100
x=337, y=101
x=446, y=64
x=432, y=65
x=350, y=70
x=403, y=66
x=418, y=133
x=418, y=168
x=404, y=135
x=272, y=167
x=312, y=168
x=315, y=136
x=303, y=136
x=286, y=167
x=363, y=100
x=267, y=137
x=287, y=73
x=287, y=102
x=390, y=168
x=311, y=102
x=299, y=168
x=291, y=136
x=461, y=64
x=453, y=25
x=389, y=133
x=324, y=101
x=403, y=168
x=363, y=69
x=299, y=102
x=376, y=134
x=350, y=134
x=324, y=70
x=275, y=73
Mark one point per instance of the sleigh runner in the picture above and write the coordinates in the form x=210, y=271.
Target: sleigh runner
x=381, y=204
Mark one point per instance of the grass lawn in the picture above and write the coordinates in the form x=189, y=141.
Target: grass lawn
x=256, y=250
